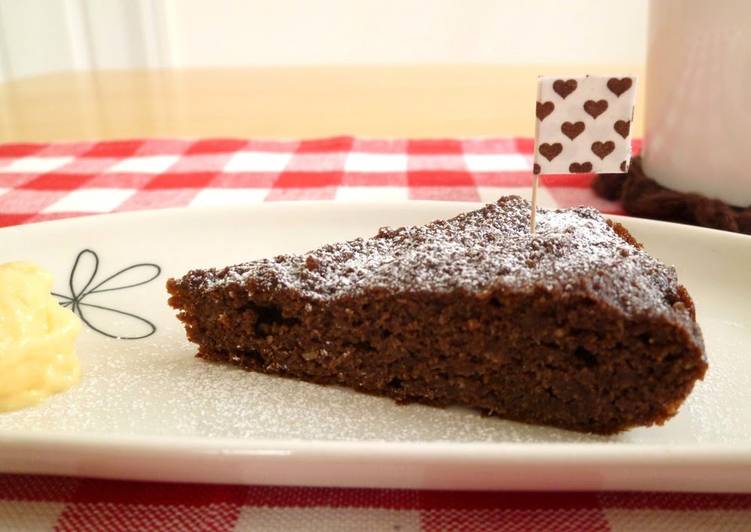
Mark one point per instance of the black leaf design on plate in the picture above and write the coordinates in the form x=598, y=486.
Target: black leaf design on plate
x=83, y=283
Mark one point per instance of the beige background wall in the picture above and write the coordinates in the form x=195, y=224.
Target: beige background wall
x=39, y=36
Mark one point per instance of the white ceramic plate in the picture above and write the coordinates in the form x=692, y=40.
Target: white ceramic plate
x=147, y=409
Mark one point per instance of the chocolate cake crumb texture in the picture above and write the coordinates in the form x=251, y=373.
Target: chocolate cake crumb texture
x=575, y=327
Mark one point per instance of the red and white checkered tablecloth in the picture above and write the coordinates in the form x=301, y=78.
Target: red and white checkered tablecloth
x=48, y=181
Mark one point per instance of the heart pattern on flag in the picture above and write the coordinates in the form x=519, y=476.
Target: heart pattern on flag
x=622, y=127
x=584, y=124
x=619, y=86
x=580, y=168
x=603, y=149
x=595, y=108
x=572, y=130
x=550, y=151
x=544, y=109
x=564, y=88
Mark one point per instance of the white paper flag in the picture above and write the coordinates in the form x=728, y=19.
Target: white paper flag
x=584, y=124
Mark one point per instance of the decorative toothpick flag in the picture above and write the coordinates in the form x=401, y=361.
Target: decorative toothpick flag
x=583, y=125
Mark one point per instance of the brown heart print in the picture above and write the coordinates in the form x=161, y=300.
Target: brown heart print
x=622, y=127
x=603, y=149
x=624, y=166
x=535, y=168
x=619, y=86
x=595, y=108
x=572, y=130
x=580, y=168
x=550, y=151
x=544, y=109
x=564, y=88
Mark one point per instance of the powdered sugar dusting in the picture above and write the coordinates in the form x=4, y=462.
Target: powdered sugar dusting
x=489, y=249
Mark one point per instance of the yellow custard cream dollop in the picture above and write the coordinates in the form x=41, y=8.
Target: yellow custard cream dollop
x=37, y=338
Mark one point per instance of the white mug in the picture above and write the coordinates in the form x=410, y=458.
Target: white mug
x=698, y=113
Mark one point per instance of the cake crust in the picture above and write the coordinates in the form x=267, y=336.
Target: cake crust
x=576, y=327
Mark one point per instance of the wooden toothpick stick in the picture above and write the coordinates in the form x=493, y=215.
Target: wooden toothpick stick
x=533, y=217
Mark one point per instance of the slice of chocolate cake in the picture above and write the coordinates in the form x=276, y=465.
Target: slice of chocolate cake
x=576, y=327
